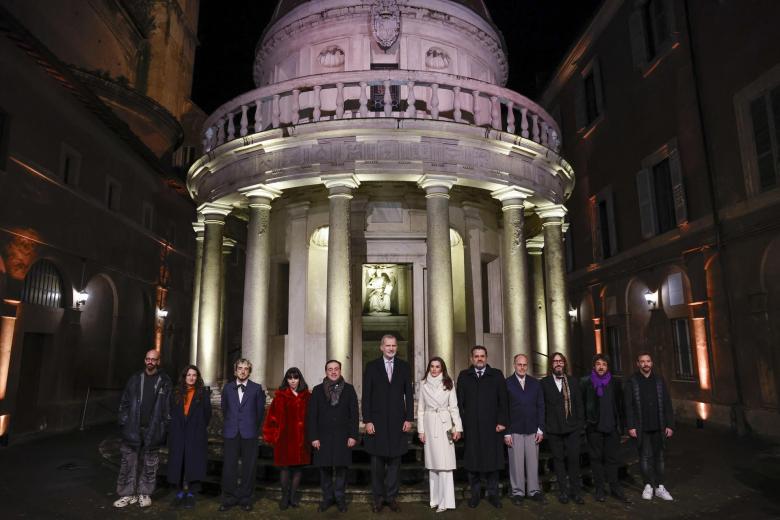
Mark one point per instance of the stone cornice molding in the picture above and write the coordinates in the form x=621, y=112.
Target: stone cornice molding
x=477, y=29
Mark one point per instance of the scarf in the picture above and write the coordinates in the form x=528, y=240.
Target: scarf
x=566, y=395
x=436, y=382
x=600, y=382
x=333, y=390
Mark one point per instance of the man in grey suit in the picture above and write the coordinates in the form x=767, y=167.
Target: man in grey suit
x=525, y=432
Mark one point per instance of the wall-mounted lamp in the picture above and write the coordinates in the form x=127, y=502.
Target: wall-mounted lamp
x=162, y=313
x=573, y=314
x=81, y=299
x=652, y=299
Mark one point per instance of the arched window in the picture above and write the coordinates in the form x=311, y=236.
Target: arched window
x=43, y=285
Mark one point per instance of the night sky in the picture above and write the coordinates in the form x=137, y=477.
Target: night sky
x=537, y=32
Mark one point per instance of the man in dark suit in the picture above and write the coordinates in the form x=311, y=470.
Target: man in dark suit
x=602, y=397
x=482, y=402
x=525, y=432
x=388, y=412
x=332, y=426
x=243, y=410
x=563, y=427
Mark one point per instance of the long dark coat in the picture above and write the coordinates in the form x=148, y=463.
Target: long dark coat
x=483, y=405
x=387, y=405
x=332, y=426
x=555, y=419
x=285, y=428
x=188, y=439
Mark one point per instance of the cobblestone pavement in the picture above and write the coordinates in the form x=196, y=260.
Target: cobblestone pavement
x=708, y=472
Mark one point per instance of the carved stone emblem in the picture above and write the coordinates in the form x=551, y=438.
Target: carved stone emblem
x=386, y=22
x=437, y=58
x=331, y=57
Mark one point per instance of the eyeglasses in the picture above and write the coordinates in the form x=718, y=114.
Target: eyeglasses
x=151, y=359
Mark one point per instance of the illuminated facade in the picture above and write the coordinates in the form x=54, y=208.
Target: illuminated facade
x=95, y=233
x=670, y=117
x=385, y=182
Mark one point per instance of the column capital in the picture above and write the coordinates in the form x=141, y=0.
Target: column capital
x=227, y=245
x=553, y=214
x=340, y=184
x=437, y=185
x=298, y=210
x=259, y=191
x=511, y=196
x=199, y=228
x=214, y=212
x=535, y=245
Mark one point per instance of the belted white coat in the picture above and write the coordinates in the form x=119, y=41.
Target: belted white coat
x=437, y=413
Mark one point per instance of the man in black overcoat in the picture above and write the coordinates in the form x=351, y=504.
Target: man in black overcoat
x=483, y=404
x=332, y=425
x=564, y=420
x=388, y=412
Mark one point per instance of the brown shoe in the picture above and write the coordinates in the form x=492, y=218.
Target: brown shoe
x=394, y=507
x=377, y=506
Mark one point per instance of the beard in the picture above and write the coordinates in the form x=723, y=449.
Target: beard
x=558, y=371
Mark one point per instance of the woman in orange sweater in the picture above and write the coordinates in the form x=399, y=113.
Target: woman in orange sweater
x=285, y=429
x=188, y=436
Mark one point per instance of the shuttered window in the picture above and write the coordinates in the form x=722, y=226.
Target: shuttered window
x=43, y=285
x=661, y=192
x=765, y=116
x=651, y=27
x=603, y=225
x=590, y=96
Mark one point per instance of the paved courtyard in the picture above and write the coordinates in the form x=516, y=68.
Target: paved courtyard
x=709, y=473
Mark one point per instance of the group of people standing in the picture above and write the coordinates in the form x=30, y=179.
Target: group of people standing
x=494, y=415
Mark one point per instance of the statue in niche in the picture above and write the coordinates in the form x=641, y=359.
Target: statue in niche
x=379, y=290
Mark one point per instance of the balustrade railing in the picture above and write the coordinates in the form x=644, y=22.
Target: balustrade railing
x=403, y=94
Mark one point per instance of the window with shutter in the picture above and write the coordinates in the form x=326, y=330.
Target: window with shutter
x=603, y=224
x=589, y=96
x=661, y=191
x=651, y=28
x=682, y=348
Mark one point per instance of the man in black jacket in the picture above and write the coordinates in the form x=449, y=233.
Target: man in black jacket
x=603, y=398
x=144, y=414
x=388, y=412
x=649, y=420
x=482, y=400
x=563, y=422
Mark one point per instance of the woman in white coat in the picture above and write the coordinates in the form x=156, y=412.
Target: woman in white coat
x=439, y=426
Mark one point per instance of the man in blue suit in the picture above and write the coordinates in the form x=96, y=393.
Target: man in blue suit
x=243, y=410
x=525, y=432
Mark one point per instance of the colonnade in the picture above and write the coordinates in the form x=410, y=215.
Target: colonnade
x=535, y=317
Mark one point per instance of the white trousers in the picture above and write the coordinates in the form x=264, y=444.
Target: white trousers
x=442, y=489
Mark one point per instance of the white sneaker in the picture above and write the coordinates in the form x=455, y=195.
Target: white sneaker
x=647, y=493
x=661, y=492
x=144, y=500
x=125, y=501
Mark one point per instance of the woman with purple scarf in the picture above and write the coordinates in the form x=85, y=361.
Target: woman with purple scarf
x=602, y=397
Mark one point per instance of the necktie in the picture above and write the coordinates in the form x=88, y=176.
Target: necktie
x=241, y=389
x=479, y=373
x=389, y=368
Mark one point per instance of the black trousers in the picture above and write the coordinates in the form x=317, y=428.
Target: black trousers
x=333, y=481
x=236, y=449
x=566, y=453
x=385, y=474
x=603, y=449
x=475, y=483
x=651, y=457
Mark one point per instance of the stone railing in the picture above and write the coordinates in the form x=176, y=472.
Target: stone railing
x=381, y=93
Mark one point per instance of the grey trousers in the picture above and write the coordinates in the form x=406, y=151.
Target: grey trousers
x=524, y=465
x=138, y=470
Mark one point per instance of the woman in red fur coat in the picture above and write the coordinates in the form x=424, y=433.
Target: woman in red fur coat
x=285, y=429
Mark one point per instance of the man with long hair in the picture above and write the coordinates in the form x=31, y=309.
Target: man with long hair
x=563, y=427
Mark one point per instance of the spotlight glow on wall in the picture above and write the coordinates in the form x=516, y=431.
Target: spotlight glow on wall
x=652, y=299
x=162, y=313
x=81, y=298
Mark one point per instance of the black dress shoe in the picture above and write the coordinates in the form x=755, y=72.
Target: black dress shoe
x=563, y=498
x=578, y=499
x=246, y=507
x=342, y=506
x=473, y=502
x=394, y=507
x=494, y=501
x=325, y=505
x=517, y=500
x=600, y=496
x=377, y=506
x=225, y=507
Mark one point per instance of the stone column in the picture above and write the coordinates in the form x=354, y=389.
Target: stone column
x=535, y=247
x=295, y=354
x=198, y=228
x=473, y=251
x=514, y=275
x=227, y=247
x=439, y=264
x=339, y=312
x=555, y=279
x=255, y=326
x=209, y=355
